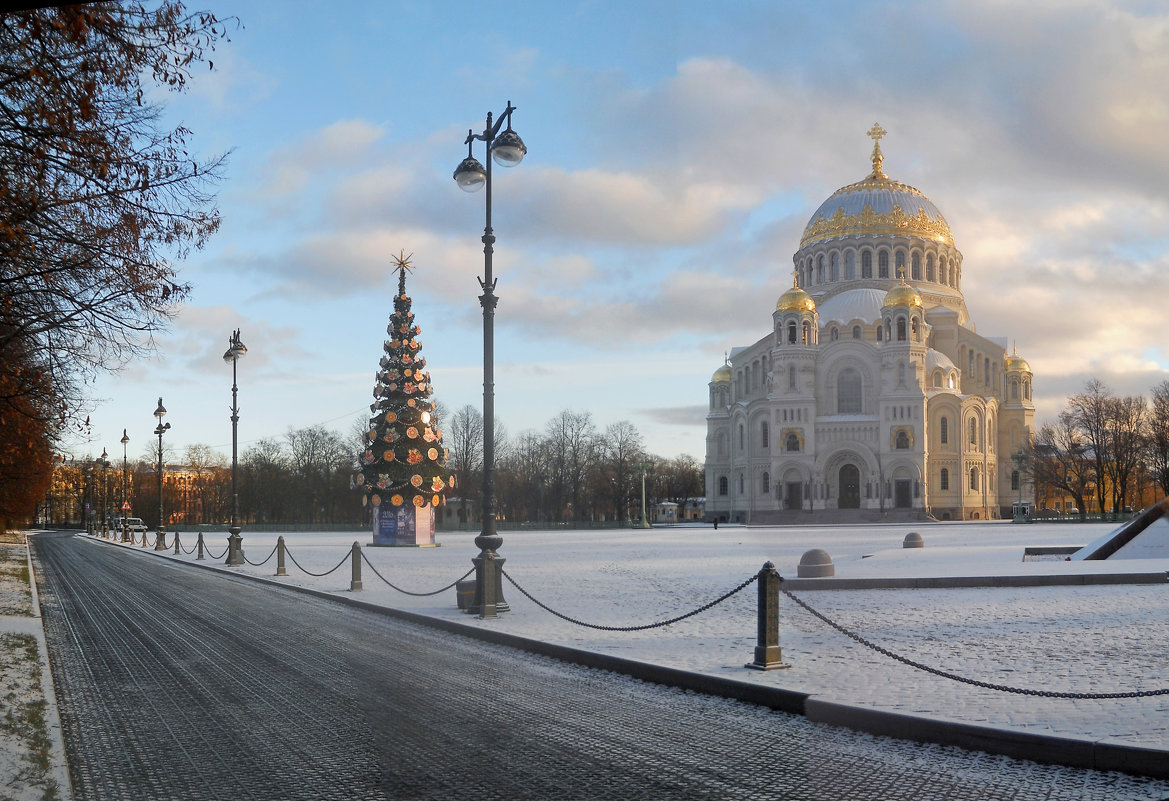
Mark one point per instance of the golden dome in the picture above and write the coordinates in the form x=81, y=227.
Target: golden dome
x=876, y=206
x=795, y=299
x=902, y=295
x=721, y=374
x=1016, y=363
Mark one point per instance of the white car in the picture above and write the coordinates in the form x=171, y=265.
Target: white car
x=133, y=525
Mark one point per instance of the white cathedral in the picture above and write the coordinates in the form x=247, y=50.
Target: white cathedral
x=872, y=395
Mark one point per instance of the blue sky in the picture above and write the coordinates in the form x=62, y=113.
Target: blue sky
x=676, y=151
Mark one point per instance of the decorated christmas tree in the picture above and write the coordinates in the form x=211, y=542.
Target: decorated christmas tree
x=403, y=468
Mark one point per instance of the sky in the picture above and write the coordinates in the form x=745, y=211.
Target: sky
x=676, y=151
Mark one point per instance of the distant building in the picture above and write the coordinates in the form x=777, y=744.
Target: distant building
x=872, y=393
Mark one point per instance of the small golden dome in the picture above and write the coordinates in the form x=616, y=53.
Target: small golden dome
x=721, y=374
x=1016, y=363
x=902, y=295
x=795, y=299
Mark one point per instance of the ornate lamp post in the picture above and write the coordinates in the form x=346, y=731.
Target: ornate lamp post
x=235, y=551
x=103, y=461
x=644, y=522
x=125, y=484
x=508, y=150
x=1019, y=457
x=160, y=429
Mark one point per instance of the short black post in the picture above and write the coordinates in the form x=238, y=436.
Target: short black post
x=199, y=546
x=355, y=581
x=176, y=543
x=280, y=571
x=768, y=655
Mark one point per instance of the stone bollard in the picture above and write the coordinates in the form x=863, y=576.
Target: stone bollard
x=177, y=543
x=160, y=540
x=816, y=563
x=768, y=655
x=280, y=571
x=143, y=539
x=913, y=540
x=199, y=546
x=355, y=582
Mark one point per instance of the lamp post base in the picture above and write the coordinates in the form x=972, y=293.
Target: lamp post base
x=489, y=600
x=235, y=547
x=159, y=541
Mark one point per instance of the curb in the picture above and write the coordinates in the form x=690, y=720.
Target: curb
x=1076, y=752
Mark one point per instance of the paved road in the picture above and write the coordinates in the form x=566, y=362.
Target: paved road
x=177, y=683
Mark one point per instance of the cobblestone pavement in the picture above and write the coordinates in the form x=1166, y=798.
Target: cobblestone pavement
x=176, y=683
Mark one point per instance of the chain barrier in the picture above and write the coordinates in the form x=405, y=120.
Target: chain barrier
x=954, y=676
x=193, y=547
x=643, y=627
x=149, y=544
x=348, y=556
x=392, y=586
x=210, y=555
x=259, y=564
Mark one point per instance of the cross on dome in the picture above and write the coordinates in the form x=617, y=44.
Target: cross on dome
x=875, y=133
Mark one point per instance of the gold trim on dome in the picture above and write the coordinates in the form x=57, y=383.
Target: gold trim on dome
x=869, y=223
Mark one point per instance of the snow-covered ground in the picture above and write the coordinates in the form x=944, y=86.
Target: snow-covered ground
x=1083, y=639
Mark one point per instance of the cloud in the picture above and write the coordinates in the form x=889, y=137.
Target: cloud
x=676, y=415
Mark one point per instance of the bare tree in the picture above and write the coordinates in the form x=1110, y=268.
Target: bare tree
x=619, y=451
x=1090, y=412
x=1062, y=459
x=571, y=438
x=1158, y=439
x=1126, y=445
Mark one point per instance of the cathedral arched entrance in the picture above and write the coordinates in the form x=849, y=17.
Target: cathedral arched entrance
x=850, y=487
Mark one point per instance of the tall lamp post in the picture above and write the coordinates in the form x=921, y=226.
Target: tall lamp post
x=160, y=429
x=125, y=485
x=235, y=550
x=1019, y=457
x=104, y=462
x=644, y=522
x=507, y=150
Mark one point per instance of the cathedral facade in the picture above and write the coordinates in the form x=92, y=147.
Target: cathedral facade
x=872, y=393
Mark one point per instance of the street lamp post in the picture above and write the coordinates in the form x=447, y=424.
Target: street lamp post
x=235, y=550
x=507, y=149
x=644, y=522
x=104, y=461
x=125, y=484
x=1019, y=457
x=160, y=429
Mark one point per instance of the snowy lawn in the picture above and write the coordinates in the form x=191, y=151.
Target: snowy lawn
x=1086, y=639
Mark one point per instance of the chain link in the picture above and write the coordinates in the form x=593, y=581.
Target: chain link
x=211, y=555
x=391, y=585
x=955, y=677
x=344, y=559
x=193, y=547
x=659, y=624
x=259, y=564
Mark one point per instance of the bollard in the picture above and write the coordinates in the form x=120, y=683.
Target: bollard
x=176, y=543
x=199, y=546
x=143, y=539
x=160, y=540
x=280, y=571
x=768, y=655
x=355, y=582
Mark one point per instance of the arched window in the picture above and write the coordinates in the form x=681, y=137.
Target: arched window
x=916, y=266
x=856, y=332
x=973, y=432
x=1027, y=390
x=883, y=264
x=1015, y=479
x=791, y=332
x=835, y=333
x=915, y=330
x=880, y=333
x=722, y=485
x=741, y=485
x=791, y=442
x=952, y=383
x=1014, y=390
x=765, y=483
x=986, y=371
x=834, y=269
x=807, y=333
x=901, y=443
x=820, y=269
x=867, y=264
x=974, y=479
x=848, y=392
x=764, y=435
x=900, y=329
x=791, y=377
x=900, y=264
x=849, y=266
x=930, y=273
x=944, y=430
x=938, y=379
x=944, y=479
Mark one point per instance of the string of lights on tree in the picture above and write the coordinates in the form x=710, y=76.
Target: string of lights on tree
x=404, y=463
